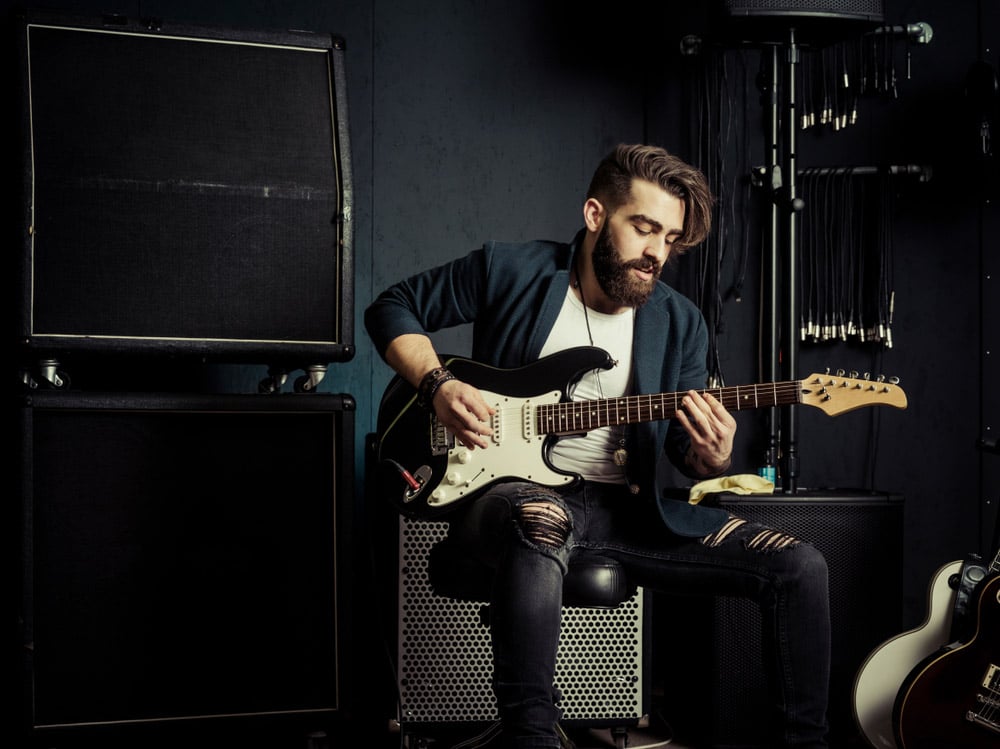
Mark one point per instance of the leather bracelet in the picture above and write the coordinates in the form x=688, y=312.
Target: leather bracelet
x=430, y=384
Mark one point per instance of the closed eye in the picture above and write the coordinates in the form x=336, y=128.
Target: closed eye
x=645, y=225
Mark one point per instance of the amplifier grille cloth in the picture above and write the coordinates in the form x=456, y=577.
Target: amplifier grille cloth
x=445, y=664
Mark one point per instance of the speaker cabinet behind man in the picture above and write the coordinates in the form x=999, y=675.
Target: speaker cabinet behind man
x=715, y=691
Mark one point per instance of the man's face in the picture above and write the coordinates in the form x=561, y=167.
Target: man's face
x=635, y=242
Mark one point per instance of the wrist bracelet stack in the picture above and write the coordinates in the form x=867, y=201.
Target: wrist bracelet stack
x=429, y=386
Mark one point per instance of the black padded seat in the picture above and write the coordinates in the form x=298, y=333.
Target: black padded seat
x=593, y=581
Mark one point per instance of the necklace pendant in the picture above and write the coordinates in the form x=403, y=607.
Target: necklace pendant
x=621, y=456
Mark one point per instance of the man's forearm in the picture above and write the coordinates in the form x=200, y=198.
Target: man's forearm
x=412, y=355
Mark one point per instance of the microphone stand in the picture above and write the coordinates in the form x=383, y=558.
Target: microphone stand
x=791, y=204
x=785, y=207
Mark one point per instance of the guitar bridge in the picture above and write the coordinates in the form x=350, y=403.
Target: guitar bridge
x=983, y=721
x=985, y=714
x=441, y=440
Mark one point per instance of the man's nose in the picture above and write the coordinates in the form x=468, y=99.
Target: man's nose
x=657, y=250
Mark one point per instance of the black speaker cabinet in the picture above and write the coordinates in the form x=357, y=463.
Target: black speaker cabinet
x=184, y=560
x=186, y=190
x=716, y=689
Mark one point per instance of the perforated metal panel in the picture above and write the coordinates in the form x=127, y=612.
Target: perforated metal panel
x=445, y=663
x=869, y=10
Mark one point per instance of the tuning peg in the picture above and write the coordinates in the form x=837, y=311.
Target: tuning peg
x=880, y=378
x=840, y=373
x=894, y=380
x=854, y=374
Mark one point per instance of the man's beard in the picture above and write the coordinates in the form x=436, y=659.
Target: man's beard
x=614, y=276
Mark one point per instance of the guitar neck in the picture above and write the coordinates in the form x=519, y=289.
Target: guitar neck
x=579, y=416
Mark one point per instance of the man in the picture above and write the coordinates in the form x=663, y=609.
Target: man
x=528, y=301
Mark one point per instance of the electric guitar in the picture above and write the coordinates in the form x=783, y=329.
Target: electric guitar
x=949, y=620
x=951, y=699
x=425, y=471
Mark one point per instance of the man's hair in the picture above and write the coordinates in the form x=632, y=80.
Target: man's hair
x=612, y=186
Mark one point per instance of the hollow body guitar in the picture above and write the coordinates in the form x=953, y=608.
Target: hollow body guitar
x=424, y=471
x=884, y=670
x=951, y=698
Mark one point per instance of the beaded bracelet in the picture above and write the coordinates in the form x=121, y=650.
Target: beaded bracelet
x=429, y=386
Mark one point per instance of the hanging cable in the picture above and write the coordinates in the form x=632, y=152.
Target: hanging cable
x=846, y=251
x=718, y=273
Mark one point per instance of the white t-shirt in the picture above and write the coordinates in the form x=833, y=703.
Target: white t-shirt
x=591, y=456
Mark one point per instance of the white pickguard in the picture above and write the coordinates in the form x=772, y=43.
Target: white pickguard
x=516, y=449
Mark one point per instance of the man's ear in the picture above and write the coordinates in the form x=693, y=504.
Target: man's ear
x=594, y=214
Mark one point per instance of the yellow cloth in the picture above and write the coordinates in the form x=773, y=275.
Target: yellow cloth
x=741, y=483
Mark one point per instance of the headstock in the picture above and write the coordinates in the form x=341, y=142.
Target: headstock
x=836, y=393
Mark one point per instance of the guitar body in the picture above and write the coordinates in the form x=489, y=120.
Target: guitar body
x=879, y=677
x=951, y=699
x=450, y=474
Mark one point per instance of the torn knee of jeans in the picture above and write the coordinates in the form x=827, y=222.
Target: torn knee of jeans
x=544, y=522
x=714, y=539
x=771, y=540
x=756, y=538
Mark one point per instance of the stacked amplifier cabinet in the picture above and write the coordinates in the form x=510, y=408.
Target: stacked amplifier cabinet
x=185, y=563
x=718, y=695
x=185, y=191
x=445, y=664
x=185, y=550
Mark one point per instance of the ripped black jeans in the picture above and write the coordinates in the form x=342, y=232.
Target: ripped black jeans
x=529, y=533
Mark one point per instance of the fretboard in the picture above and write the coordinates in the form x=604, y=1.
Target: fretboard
x=582, y=416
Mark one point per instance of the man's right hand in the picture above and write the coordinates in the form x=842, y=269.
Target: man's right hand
x=460, y=407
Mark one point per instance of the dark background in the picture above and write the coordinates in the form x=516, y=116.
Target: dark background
x=483, y=120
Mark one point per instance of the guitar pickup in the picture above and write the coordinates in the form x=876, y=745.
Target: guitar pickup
x=495, y=424
x=991, y=681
